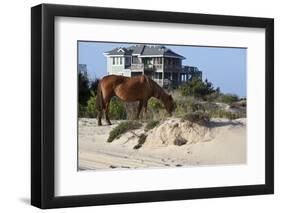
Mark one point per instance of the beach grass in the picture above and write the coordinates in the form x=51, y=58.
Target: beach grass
x=122, y=128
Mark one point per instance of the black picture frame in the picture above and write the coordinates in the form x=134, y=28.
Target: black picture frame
x=43, y=102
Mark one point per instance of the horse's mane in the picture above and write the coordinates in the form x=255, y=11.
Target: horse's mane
x=158, y=92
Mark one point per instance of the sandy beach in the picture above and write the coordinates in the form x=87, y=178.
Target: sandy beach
x=222, y=142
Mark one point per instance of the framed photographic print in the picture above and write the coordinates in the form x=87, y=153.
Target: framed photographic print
x=139, y=106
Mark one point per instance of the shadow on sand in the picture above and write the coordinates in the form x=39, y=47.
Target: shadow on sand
x=213, y=124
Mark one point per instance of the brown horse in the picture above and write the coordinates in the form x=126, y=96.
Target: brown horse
x=139, y=88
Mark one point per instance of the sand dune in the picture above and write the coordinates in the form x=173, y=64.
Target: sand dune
x=221, y=142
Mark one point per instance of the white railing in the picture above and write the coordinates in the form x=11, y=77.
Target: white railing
x=137, y=67
x=141, y=67
x=162, y=82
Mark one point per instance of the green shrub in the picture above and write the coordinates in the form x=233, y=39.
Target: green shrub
x=184, y=107
x=141, y=141
x=131, y=110
x=91, y=106
x=197, y=88
x=117, y=110
x=200, y=118
x=123, y=128
x=228, y=98
x=180, y=110
x=83, y=85
x=151, y=124
x=94, y=85
x=82, y=111
x=156, y=110
x=212, y=97
x=154, y=104
x=220, y=113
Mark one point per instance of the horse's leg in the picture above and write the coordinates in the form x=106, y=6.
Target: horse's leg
x=139, y=110
x=99, y=117
x=145, y=109
x=106, y=112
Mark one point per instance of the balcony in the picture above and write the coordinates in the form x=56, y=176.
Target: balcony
x=162, y=82
x=173, y=68
x=146, y=67
x=137, y=67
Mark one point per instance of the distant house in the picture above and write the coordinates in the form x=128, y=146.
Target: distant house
x=158, y=62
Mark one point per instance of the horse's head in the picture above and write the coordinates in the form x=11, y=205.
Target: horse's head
x=169, y=104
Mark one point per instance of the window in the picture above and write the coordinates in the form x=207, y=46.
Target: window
x=157, y=76
x=113, y=62
x=121, y=61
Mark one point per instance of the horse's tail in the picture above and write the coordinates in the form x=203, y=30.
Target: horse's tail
x=99, y=99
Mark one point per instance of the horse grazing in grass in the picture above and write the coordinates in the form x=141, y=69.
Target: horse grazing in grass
x=139, y=88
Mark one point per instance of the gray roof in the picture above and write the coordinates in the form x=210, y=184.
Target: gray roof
x=144, y=50
x=119, y=51
x=137, y=49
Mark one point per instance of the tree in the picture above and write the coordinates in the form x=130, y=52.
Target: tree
x=94, y=85
x=84, y=87
x=197, y=88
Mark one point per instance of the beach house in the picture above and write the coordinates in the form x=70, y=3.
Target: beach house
x=159, y=63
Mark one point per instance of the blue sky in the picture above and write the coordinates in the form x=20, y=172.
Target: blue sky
x=224, y=67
